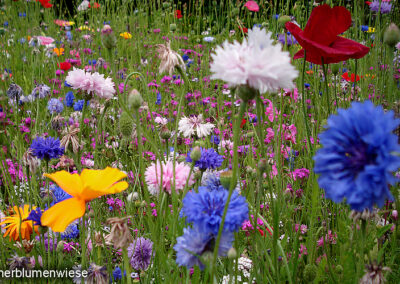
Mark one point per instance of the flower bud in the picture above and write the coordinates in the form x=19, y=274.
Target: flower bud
x=125, y=124
x=391, y=35
x=165, y=133
x=172, y=27
x=309, y=273
x=339, y=269
x=283, y=20
x=200, y=143
x=133, y=196
x=108, y=38
x=42, y=230
x=226, y=178
x=195, y=155
x=181, y=159
x=232, y=253
x=335, y=68
x=135, y=100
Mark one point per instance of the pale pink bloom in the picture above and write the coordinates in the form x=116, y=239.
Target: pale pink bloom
x=161, y=120
x=164, y=171
x=45, y=40
x=191, y=125
x=91, y=83
x=256, y=62
x=252, y=6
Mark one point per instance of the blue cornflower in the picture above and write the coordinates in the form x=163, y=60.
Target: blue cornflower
x=55, y=106
x=205, y=208
x=69, y=99
x=68, y=34
x=117, y=274
x=71, y=232
x=357, y=161
x=185, y=57
x=35, y=216
x=215, y=139
x=58, y=194
x=158, y=101
x=190, y=62
x=47, y=148
x=364, y=28
x=209, y=159
x=190, y=247
x=209, y=39
x=78, y=105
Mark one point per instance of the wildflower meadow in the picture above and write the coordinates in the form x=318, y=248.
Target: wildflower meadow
x=230, y=141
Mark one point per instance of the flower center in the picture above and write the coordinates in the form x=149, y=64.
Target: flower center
x=359, y=156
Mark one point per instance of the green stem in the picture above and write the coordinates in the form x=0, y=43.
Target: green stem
x=235, y=165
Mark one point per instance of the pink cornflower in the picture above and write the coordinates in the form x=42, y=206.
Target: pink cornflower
x=91, y=83
x=165, y=169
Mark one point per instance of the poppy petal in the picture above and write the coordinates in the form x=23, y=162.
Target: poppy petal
x=60, y=215
x=70, y=183
x=101, y=182
x=325, y=23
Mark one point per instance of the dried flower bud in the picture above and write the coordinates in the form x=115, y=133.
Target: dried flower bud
x=246, y=93
x=120, y=235
x=309, y=273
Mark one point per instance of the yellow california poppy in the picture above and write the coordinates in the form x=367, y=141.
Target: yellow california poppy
x=58, y=51
x=126, y=35
x=17, y=222
x=88, y=185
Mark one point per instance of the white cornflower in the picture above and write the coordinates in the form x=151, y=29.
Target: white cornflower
x=169, y=58
x=256, y=62
x=191, y=125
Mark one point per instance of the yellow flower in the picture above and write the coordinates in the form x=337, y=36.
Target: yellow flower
x=85, y=28
x=126, y=35
x=58, y=51
x=17, y=223
x=371, y=30
x=89, y=185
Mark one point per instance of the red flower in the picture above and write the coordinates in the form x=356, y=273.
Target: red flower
x=243, y=123
x=178, y=14
x=244, y=29
x=45, y=3
x=95, y=5
x=351, y=78
x=320, y=36
x=64, y=66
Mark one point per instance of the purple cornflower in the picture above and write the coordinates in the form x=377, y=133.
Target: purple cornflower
x=386, y=7
x=140, y=253
x=55, y=106
x=35, y=216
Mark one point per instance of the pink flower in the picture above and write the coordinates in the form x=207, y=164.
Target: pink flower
x=252, y=6
x=45, y=40
x=91, y=83
x=153, y=176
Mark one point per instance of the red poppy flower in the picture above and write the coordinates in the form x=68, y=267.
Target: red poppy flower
x=244, y=29
x=352, y=78
x=243, y=123
x=178, y=14
x=64, y=66
x=95, y=5
x=368, y=2
x=320, y=36
x=45, y=3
